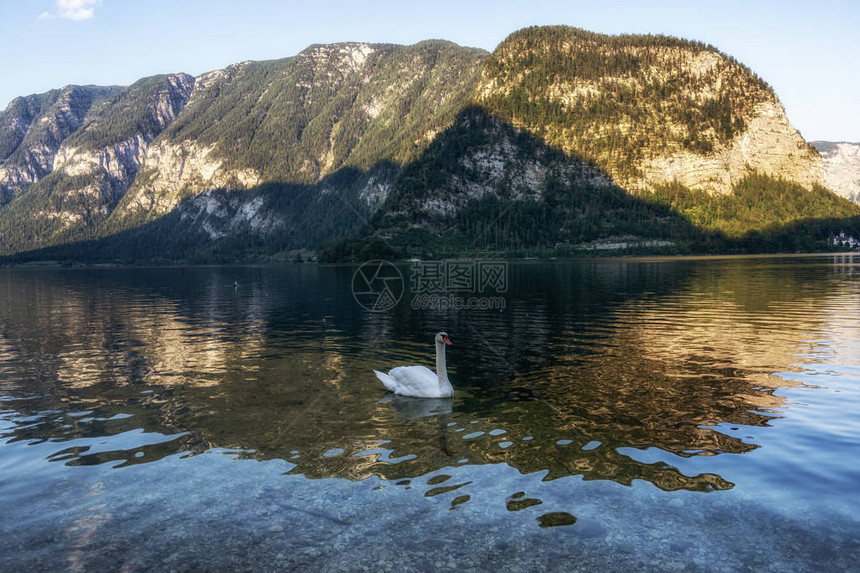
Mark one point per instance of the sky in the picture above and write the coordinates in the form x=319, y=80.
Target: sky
x=808, y=51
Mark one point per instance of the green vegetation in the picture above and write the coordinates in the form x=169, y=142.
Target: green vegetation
x=51, y=117
x=764, y=214
x=31, y=126
x=298, y=119
x=43, y=215
x=625, y=98
x=429, y=150
x=357, y=250
x=129, y=113
x=758, y=203
x=17, y=118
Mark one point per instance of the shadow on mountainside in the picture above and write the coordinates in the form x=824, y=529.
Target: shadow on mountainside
x=482, y=186
x=220, y=225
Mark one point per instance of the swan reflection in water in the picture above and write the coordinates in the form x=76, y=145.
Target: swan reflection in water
x=409, y=408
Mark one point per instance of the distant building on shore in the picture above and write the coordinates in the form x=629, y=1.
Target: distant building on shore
x=843, y=240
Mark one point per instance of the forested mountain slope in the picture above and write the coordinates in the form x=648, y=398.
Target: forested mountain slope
x=560, y=141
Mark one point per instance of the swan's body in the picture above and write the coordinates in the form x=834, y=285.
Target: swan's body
x=420, y=381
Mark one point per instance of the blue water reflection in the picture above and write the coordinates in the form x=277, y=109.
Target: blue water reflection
x=624, y=415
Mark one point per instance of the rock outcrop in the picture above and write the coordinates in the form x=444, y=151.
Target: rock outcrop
x=648, y=110
x=300, y=120
x=117, y=162
x=499, y=164
x=177, y=170
x=841, y=167
x=769, y=144
x=33, y=128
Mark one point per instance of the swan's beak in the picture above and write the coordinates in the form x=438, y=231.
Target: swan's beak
x=447, y=341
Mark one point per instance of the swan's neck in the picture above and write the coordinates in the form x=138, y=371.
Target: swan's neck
x=441, y=368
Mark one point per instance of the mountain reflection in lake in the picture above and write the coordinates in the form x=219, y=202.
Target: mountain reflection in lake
x=611, y=371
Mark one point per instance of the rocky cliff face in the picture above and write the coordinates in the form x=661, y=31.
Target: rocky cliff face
x=769, y=144
x=32, y=129
x=117, y=158
x=177, y=170
x=498, y=164
x=648, y=110
x=87, y=160
x=181, y=168
x=841, y=167
x=302, y=119
x=64, y=131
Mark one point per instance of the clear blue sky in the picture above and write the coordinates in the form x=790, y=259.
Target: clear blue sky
x=808, y=51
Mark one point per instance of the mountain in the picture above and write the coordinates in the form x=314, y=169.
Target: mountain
x=579, y=141
x=646, y=109
x=318, y=135
x=90, y=155
x=561, y=141
x=841, y=167
x=302, y=119
x=33, y=127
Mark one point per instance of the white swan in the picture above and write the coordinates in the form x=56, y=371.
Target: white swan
x=420, y=381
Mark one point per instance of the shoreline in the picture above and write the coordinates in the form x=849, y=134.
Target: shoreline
x=58, y=265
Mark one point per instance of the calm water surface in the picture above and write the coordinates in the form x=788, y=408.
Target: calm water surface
x=617, y=415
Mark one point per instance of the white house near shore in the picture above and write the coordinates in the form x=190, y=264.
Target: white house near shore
x=843, y=240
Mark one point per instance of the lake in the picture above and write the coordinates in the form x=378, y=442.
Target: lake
x=623, y=415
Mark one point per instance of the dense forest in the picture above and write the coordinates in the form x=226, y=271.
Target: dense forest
x=141, y=110
x=616, y=100
x=280, y=117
